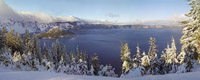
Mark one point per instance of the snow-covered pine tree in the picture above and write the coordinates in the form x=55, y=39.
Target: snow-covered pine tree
x=181, y=58
x=83, y=68
x=19, y=42
x=174, y=65
x=44, y=63
x=189, y=40
x=145, y=61
x=2, y=40
x=153, y=69
x=74, y=67
x=11, y=42
x=125, y=58
x=162, y=63
x=54, y=55
x=61, y=68
x=59, y=50
x=26, y=38
x=86, y=58
x=47, y=53
x=17, y=61
x=95, y=64
x=78, y=54
x=66, y=57
x=35, y=52
x=72, y=57
x=46, y=58
x=10, y=37
x=173, y=50
x=6, y=59
x=168, y=58
x=138, y=57
x=152, y=49
x=136, y=60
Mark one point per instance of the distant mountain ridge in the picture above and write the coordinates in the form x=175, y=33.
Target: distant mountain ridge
x=39, y=27
x=32, y=26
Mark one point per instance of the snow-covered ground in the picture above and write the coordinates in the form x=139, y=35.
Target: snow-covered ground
x=34, y=75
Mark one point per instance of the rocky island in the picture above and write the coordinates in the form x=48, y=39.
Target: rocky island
x=56, y=32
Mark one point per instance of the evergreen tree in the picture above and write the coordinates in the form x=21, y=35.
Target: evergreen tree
x=145, y=61
x=181, y=58
x=47, y=53
x=174, y=64
x=83, y=68
x=152, y=49
x=17, y=60
x=54, y=53
x=154, y=63
x=61, y=67
x=59, y=50
x=35, y=52
x=6, y=59
x=125, y=58
x=138, y=57
x=95, y=63
x=162, y=63
x=13, y=41
x=189, y=40
x=78, y=54
x=72, y=57
x=19, y=42
x=2, y=40
x=26, y=38
x=65, y=56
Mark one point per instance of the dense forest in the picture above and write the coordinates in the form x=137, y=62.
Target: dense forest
x=170, y=61
x=25, y=53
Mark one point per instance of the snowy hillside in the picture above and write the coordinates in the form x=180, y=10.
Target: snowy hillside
x=33, y=75
x=32, y=26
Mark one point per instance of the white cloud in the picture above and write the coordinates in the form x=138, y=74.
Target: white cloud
x=174, y=20
x=178, y=18
x=42, y=17
x=8, y=12
x=112, y=15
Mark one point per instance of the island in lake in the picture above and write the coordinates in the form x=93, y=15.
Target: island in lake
x=55, y=33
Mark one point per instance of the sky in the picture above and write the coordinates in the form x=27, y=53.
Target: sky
x=111, y=10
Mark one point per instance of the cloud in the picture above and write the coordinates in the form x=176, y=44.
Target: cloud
x=42, y=17
x=112, y=15
x=179, y=18
x=8, y=12
x=174, y=20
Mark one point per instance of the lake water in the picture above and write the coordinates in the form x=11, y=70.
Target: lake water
x=106, y=43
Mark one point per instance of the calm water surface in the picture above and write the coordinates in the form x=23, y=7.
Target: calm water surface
x=107, y=42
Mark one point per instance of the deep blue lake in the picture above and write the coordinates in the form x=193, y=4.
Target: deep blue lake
x=106, y=43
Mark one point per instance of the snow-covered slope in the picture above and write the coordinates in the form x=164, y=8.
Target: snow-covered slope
x=33, y=75
x=32, y=26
